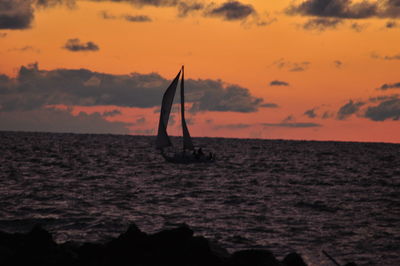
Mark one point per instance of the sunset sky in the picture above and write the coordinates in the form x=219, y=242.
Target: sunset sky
x=272, y=69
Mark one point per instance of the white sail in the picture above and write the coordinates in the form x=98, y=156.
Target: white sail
x=187, y=140
x=168, y=98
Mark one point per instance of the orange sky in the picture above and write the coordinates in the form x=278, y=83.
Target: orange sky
x=347, y=56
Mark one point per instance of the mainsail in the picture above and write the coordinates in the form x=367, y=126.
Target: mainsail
x=168, y=98
x=187, y=140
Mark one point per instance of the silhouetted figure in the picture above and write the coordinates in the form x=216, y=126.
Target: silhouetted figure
x=200, y=152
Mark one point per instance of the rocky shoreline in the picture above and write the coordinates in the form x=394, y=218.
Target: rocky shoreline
x=173, y=247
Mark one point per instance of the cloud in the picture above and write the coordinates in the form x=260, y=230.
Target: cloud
x=3, y=34
x=211, y=95
x=358, y=27
x=53, y=3
x=388, y=109
x=55, y=120
x=392, y=24
x=349, y=109
x=16, y=14
x=387, y=86
x=127, y=17
x=338, y=63
x=375, y=55
x=310, y=113
x=278, y=83
x=292, y=125
x=231, y=10
x=75, y=45
x=346, y=9
x=232, y=126
x=269, y=105
x=112, y=113
x=334, y=8
x=137, y=18
x=34, y=88
x=321, y=24
x=25, y=49
x=291, y=66
x=186, y=7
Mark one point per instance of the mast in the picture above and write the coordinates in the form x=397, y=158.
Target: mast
x=187, y=140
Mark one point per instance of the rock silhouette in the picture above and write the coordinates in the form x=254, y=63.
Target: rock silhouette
x=173, y=247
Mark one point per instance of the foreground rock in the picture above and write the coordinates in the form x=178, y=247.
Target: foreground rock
x=174, y=247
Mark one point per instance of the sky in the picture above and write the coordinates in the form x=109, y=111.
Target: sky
x=270, y=69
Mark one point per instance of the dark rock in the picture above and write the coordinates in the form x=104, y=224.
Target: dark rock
x=350, y=264
x=253, y=258
x=294, y=259
x=40, y=238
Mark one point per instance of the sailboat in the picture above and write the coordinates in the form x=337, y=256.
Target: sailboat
x=188, y=153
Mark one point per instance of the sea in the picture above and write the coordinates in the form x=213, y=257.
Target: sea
x=278, y=195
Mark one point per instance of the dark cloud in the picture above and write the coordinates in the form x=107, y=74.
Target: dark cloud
x=327, y=115
x=137, y=18
x=387, y=86
x=55, y=120
x=53, y=3
x=232, y=126
x=321, y=24
x=231, y=10
x=112, y=113
x=75, y=45
x=388, y=109
x=16, y=14
x=34, y=88
x=334, y=8
x=3, y=34
x=310, y=113
x=211, y=95
x=383, y=98
x=269, y=105
x=292, y=125
x=130, y=18
x=346, y=9
x=278, y=83
x=349, y=109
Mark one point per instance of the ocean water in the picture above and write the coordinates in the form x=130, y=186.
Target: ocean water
x=279, y=195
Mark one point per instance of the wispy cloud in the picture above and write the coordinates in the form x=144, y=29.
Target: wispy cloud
x=75, y=45
x=322, y=24
x=291, y=66
x=127, y=17
x=278, y=83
